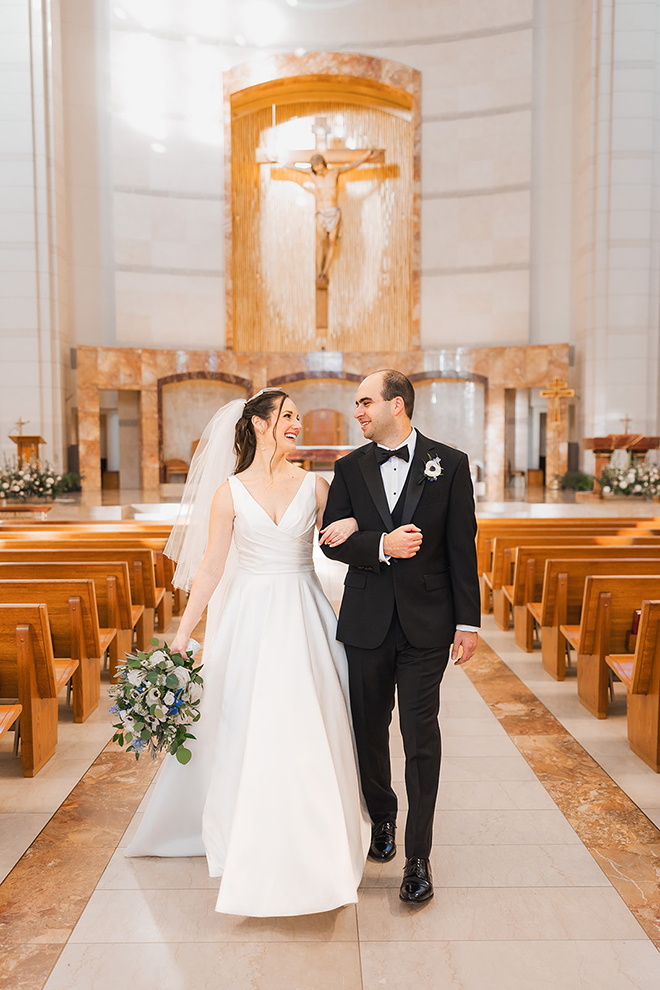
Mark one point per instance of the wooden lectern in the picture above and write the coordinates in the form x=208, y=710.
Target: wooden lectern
x=28, y=447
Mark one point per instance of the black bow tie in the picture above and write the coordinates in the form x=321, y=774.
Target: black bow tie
x=382, y=454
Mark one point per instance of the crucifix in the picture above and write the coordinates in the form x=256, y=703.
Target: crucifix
x=556, y=441
x=20, y=423
x=554, y=391
x=322, y=167
x=626, y=420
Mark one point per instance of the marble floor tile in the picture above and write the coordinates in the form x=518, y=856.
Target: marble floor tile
x=130, y=832
x=469, y=726
x=17, y=832
x=26, y=967
x=39, y=796
x=532, y=965
x=494, y=795
x=478, y=746
x=209, y=966
x=152, y=873
x=643, y=789
x=190, y=916
x=499, y=913
x=502, y=828
x=474, y=768
x=498, y=866
x=654, y=815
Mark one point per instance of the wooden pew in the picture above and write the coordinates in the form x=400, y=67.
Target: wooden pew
x=111, y=584
x=30, y=673
x=563, y=592
x=152, y=535
x=529, y=577
x=489, y=529
x=9, y=715
x=608, y=606
x=141, y=567
x=504, y=550
x=74, y=627
x=640, y=672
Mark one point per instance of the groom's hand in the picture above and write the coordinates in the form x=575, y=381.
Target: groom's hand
x=403, y=542
x=465, y=643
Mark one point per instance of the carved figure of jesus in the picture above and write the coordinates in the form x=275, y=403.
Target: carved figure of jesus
x=328, y=212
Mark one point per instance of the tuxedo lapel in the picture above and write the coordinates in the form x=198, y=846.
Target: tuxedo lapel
x=372, y=476
x=423, y=447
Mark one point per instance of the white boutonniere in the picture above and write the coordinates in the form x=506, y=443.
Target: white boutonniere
x=433, y=469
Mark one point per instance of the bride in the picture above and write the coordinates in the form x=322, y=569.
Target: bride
x=271, y=795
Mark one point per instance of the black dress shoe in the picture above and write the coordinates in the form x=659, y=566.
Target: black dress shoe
x=383, y=846
x=417, y=883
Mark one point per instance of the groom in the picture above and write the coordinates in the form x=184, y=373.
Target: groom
x=411, y=597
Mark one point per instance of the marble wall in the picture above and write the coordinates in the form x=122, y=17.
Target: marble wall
x=186, y=408
x=34, y=317
x=166, y=68
x=321, y=380
x=617, y=271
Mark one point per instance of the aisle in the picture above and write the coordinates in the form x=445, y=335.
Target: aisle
x=520, y=902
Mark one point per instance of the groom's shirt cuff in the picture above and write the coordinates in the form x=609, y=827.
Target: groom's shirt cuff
x=382, y=556
x=468, y=628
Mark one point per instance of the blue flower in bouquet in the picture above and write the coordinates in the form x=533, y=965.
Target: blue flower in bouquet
x=157, y=701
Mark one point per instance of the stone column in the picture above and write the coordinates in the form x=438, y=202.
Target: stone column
x=89, y=441
x=556, y=441
x=149, y=466
x=494, y=457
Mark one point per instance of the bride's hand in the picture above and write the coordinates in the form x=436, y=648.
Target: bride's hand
x=178, y=645
x=338, y=532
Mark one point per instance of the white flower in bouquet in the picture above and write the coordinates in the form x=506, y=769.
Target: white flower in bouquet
x=182, y=675
x=196, y=692
x=623, y=484
x=169, y=699
x=153, y=696
x=156, y=658
x=135, y=677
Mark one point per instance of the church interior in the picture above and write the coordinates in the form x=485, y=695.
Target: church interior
x=203, y=199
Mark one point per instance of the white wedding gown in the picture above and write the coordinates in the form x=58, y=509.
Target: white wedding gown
x=271, y=795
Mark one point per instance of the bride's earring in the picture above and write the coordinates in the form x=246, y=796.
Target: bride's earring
x=262, y=442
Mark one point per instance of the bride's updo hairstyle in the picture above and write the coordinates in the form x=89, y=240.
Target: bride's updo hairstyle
x=263, y=405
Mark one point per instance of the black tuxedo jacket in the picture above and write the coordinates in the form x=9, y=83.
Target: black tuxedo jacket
x=433, y=591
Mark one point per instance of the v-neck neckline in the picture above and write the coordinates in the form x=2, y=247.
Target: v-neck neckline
x=268, y=516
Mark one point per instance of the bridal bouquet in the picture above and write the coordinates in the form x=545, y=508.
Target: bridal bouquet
x=157, y=700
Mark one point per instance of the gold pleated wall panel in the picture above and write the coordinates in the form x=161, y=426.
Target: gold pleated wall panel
x=274, y=238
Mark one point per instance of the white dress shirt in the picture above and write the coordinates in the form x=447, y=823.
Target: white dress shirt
x=394, y=473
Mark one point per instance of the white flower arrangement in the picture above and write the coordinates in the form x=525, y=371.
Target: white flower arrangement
x=638, y=478
x=31, y=482
x=433, y=469
x=156, y=701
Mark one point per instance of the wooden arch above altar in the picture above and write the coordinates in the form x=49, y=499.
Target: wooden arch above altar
x=278, y=114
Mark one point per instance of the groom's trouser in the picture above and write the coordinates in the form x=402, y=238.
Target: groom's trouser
x=417, y=674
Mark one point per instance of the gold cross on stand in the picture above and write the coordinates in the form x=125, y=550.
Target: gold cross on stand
x=20, y=423
x=557, y=389
x=626, y=420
